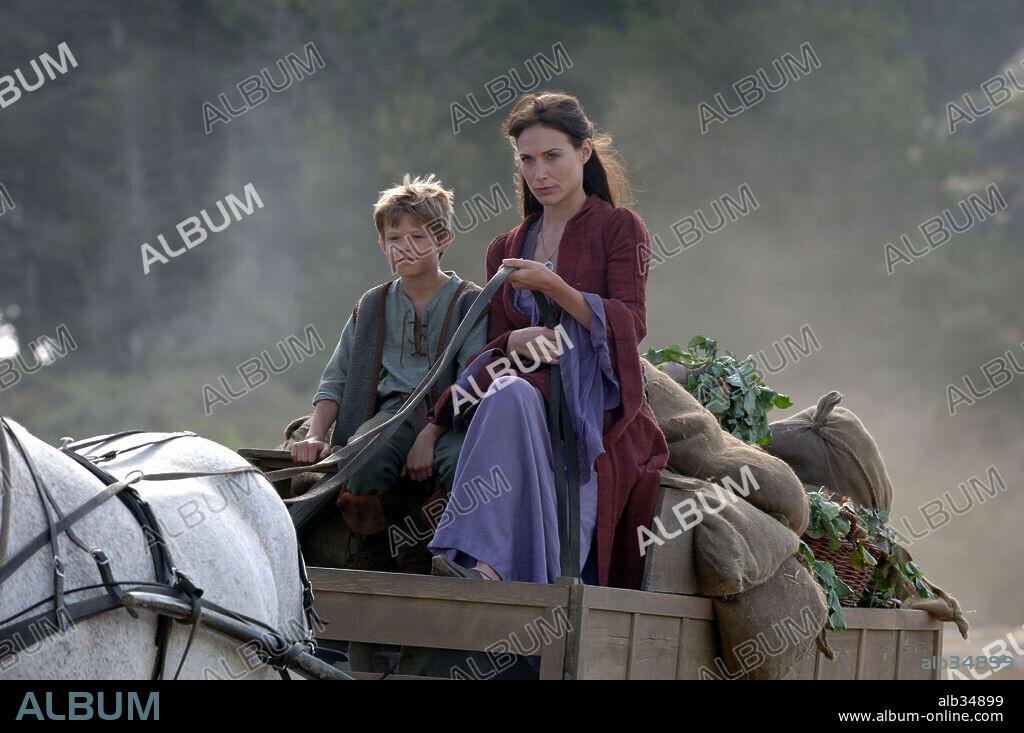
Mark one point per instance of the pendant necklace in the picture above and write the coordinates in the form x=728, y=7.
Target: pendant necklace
x=540, y=235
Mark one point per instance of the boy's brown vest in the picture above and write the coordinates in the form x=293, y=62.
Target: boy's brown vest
x=359, y=398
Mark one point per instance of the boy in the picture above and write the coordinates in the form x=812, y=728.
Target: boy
x=396, y=332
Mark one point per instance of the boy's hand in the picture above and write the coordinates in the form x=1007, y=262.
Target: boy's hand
x=310, y=450
x=419, y=463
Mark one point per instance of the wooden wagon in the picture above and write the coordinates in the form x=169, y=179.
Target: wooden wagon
x=665, y=631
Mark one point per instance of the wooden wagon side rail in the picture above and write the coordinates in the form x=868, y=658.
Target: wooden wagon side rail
x=879, y=644
x=591, y=632
x=455, y=613
x=628, y=634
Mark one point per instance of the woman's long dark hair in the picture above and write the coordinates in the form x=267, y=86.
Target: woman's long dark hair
x=603, y=173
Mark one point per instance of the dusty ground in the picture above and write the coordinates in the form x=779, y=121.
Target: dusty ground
x=1013, y=640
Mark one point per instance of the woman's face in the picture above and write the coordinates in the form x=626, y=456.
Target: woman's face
x=551, y=166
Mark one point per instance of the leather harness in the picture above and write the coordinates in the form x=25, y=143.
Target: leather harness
x=170, y=581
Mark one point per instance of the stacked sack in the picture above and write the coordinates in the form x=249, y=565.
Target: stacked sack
x=829, y=446
x=824, y=445
x=745, y=553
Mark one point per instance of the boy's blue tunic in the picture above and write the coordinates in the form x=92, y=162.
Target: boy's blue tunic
x=411, y=346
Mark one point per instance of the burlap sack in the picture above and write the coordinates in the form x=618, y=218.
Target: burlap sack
x=295, y=431
x=944, y=607
x=677, y=371
x=699, y=447
x=736, y=545
x=829, y=446
x=328, y=544
x=766, y=630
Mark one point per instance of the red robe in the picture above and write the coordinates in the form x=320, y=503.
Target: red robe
x=605, y=251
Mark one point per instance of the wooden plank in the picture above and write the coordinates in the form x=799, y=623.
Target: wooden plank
x=633, y=644
x=424, y=622
x=845, y=644
x=862, y=646
x=609, y=633
x=552, y=662
x=635, y=601
x=899, y=654
x=448, y=613
x=698, y=647
x=669, y=567
x=571, y=653
x=890, y=619
x=654, y=644
x=917, y=647
x=680, y=650
x=405, y=585
x=604, y=644
x=880, y=655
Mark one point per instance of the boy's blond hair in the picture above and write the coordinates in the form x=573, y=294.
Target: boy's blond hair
x=425, y=199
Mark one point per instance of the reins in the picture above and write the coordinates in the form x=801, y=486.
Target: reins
x=175, y=587
x=352, y=456
x=305, y=508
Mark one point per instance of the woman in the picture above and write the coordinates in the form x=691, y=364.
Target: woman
x=589, y=258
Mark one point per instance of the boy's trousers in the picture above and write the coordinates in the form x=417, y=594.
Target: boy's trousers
x=381, y=472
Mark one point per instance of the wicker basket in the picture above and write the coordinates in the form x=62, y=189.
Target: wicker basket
x=840, y=559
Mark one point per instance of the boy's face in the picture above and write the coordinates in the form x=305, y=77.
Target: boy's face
x=411, y=247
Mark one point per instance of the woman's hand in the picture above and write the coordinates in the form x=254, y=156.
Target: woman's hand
x=535, y=276
x=532, y=275
x=543, y=340
x=310, y=450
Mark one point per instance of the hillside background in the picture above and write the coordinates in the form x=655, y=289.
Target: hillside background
x=841, y=161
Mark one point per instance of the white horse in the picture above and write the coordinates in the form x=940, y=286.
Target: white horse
x=231, y=535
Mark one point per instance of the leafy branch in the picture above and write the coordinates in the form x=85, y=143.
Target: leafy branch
x=730, y=388
x=826, y=519
x=896, y=576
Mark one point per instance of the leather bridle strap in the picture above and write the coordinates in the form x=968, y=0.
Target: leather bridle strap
x=6, y=496
x=45, y=501
x=79, y=445
x=111, y=455
x=49, y=622
x=33, y=545
x=305, y=508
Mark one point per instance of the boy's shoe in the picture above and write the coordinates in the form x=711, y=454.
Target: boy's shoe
x=414, y=559
x=373, y=552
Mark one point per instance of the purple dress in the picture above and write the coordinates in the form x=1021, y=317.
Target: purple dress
x=502, y=510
